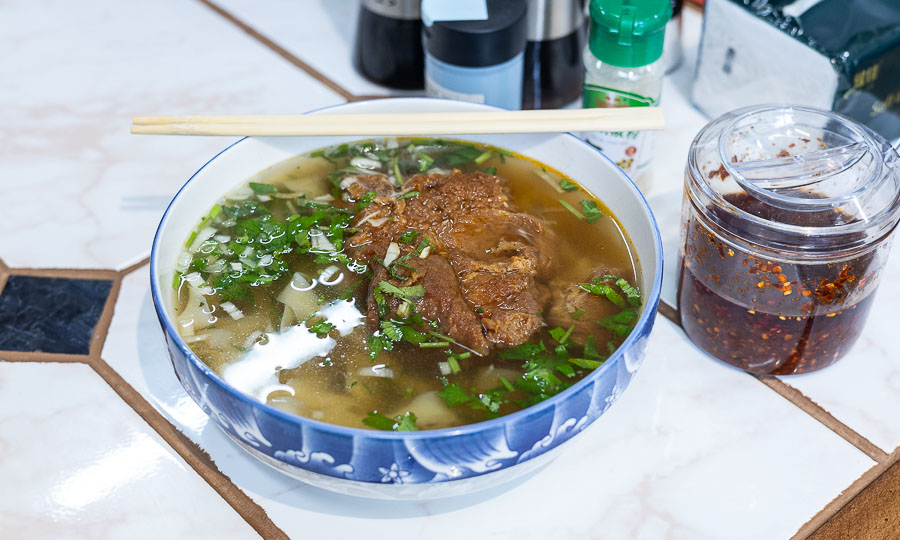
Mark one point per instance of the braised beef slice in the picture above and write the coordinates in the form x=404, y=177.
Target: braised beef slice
x=490, y=255
x=359, y=186
x=570, y=298
x=441, y=302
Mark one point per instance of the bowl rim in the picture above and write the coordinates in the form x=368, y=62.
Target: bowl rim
x=647, y=315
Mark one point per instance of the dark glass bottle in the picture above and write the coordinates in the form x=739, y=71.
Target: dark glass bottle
x=388, y=48
x=553, y=70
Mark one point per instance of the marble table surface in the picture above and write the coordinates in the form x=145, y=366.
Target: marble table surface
x=98, y=439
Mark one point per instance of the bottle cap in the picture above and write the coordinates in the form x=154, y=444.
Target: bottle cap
x=628, y=33
x=477, y=43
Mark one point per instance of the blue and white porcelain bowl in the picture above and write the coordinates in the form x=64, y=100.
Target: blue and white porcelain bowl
x=421, y=464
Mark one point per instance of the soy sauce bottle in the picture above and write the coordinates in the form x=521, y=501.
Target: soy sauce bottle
x=553, y=68
x=388, y=47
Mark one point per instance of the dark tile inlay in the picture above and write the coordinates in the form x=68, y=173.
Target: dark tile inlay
x=54, y=315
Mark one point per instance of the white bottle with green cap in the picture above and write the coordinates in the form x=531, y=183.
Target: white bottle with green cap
x=624, y=68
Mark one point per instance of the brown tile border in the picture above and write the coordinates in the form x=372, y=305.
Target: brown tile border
x=813, y=409
x=42, y=357
x=136, y=266
x=98, y=337
x=281, y=51
x=254, y=514
x=799, y=400
x=193, y=455
x=868, y=508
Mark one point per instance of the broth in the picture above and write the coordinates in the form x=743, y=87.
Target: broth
x=254, y=304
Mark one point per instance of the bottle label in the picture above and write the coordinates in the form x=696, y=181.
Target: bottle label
x=630, y=150
x=434, y=89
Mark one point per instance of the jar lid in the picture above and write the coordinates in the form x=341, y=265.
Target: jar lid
x=628, y=33
x=477, y=43
x=796, y=179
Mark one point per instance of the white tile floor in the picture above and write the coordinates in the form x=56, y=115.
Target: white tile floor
x=78, y=190
x=694, y=449
x=79, y=463
x=695, y=444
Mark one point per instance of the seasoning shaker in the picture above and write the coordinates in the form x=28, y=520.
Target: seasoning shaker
x=786, y=226
x=553, y=70
x=473, y=57
x=388, y=48
x=624, y=68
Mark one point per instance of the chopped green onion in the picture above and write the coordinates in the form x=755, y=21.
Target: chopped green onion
x=409, y=195
x=434, y=344
x=454, y=364
x=571, y=208
x=578, y=313
x=443, y=337
x=397, y=172
x=425, y=162
x=484, y=157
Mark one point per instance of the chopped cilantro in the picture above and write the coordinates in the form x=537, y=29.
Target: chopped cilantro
x=585, y=363
x=619, y=323
x=578, y=313
x=379, y=421
x=591, y=212
x=631, y=293
x=391, y=331
x=409, y=237
x=568, y=186
x=489, y=170
x=455, y=395
x=263, y=189
x=321, y=328
x=404, y=293
x=604, y=290
x=590, y=348
x=407, y=422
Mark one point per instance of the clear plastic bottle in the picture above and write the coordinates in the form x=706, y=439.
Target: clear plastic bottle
x=624, y=68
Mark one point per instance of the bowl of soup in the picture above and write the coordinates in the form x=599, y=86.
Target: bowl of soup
x=406, y=317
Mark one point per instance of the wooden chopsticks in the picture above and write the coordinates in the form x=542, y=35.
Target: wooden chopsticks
x=431, y=123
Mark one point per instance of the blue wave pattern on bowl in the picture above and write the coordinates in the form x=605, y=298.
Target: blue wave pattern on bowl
x=362, y=456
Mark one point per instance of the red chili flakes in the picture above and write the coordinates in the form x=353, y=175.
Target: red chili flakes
x=720, y=172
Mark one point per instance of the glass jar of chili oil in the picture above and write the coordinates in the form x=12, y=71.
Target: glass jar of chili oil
x=786, y=227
